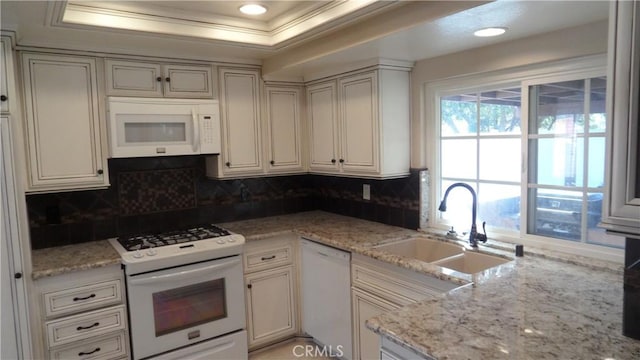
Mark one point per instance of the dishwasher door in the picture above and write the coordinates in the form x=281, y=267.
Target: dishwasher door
x=326, y=297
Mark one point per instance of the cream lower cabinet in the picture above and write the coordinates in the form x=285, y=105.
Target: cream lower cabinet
x=132, y=78
x=241, y=129
x=359, y=124
x=83, y=315
x=365, y=306
x=65, y=134
x=392, y=351
x=271, y=291
x=378, y=287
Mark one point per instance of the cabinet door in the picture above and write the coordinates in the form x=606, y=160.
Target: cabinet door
x=240, y=113
x=5, y=53
x=187, y=81
x=359, y=123
x=621, y=211
x=366, y=343
x=271, y=313
x=128, y=78
x=64, y=135
x=283, y=129
x=323, y=127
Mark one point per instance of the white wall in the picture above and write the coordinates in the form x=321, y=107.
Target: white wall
x=565, y=44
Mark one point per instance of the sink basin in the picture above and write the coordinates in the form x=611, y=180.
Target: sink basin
x=471, y=262
x=422, y=249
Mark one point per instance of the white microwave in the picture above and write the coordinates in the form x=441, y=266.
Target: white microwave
x=141, y=127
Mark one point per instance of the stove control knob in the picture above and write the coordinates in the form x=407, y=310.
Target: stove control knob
x=231, y=239
x=152, y=252
x=220, y=241
x=138, y=254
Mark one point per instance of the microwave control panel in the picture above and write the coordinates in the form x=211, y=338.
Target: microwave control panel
x=210, y=130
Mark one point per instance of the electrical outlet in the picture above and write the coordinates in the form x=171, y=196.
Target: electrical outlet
x=366, y=191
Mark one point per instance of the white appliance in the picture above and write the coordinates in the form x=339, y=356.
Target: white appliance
x=141, y=127
x=185, y=294
x=326, y=297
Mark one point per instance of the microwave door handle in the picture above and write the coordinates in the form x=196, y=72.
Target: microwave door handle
x=196, y=131
x=181, y=275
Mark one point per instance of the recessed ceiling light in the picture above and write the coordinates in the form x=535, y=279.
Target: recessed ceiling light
x=490, y=31
x=253, y=9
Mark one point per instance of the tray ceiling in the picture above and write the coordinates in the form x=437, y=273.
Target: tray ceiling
x=284, y=23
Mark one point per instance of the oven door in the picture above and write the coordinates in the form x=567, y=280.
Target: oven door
x=176, y=307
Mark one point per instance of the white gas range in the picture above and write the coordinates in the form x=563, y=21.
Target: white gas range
x=185, y=294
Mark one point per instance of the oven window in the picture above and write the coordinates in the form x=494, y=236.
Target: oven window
x=188, y=306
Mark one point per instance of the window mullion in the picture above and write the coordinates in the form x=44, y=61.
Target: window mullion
x=585, y=162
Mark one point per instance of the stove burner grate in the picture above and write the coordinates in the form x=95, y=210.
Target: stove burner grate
x=145, y=241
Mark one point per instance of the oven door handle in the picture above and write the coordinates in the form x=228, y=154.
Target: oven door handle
x=183, y=274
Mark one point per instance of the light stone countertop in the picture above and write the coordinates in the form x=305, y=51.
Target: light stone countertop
x=541, y=306
x=63, y=259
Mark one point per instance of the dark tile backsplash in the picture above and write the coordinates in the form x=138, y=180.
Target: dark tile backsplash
x=161, y=194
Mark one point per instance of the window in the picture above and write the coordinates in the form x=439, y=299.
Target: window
x=566, y=147
x=533, y=150
x=480, y=146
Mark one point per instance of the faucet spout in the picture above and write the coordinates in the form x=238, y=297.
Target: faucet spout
x=474, y=236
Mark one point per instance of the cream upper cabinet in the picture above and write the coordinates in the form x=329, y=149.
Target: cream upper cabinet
x=322, y=117
x=358, y=104
x=621, y=210
x=5, y=61
x=283, y=129
x=65, y=137
x=241, y=131
x=131, y=78
x=370, y=135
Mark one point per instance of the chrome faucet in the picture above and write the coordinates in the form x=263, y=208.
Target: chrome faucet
x=474, y=236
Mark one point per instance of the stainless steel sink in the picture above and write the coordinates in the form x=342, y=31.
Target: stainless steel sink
x=423, y=249
x=471, y=262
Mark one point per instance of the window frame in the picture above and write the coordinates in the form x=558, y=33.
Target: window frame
x=524, y=77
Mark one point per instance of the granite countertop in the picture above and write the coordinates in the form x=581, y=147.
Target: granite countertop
x=536, y=309
x=68, y=258
x=541, y=306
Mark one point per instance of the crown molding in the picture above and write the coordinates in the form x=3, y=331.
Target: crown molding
x=288, y=29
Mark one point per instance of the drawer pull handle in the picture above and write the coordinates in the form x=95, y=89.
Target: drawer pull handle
x=82, y=353
x=88, y=327
x=84, y=298
x=268, y=257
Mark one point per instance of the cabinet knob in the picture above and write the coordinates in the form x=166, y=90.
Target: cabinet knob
x=167, y=79
x=100, y=172
x=341, y=161
x=228, y=164
x=248, y=286
x=17, y=275
x=3, y=97
x=333, y=161
x=272, y=162
x=158, y=79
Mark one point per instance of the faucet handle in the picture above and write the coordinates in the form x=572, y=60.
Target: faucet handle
x=482, y=237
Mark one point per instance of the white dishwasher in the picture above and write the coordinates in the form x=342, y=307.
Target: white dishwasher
x=326, y=297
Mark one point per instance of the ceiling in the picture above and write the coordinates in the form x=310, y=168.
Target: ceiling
x=293, y=38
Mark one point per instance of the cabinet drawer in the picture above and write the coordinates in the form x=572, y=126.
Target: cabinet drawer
x=108, y=347
x=267, y=258
x=73, y=300
x=83, y=326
